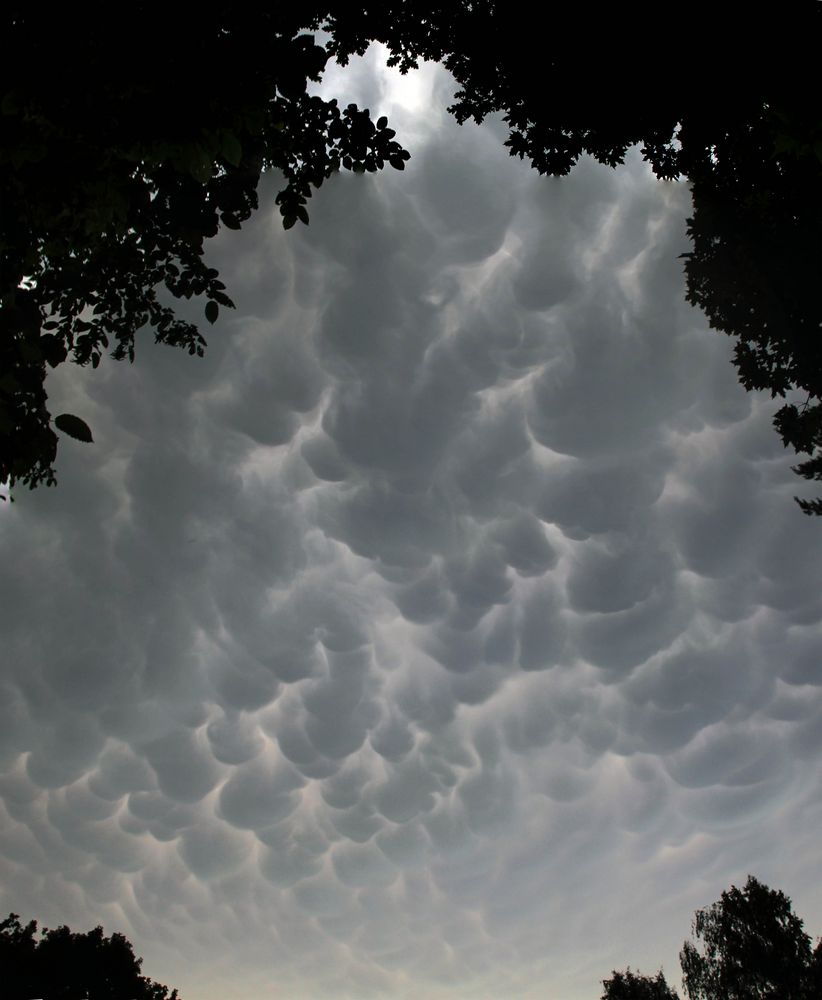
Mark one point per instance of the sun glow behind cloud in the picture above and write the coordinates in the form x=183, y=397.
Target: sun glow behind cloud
x=448, y=630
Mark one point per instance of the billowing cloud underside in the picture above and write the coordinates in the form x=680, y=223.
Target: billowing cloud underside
x=453, y=609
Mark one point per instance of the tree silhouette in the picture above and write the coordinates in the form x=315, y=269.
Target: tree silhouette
x=754, y=269
x=633, y=986
x=732, y=103
x=111, y=180
x=63, y=965
x=749, y=945
x=161, y=126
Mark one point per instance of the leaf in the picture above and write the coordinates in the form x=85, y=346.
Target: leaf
x=199, y=166
x=212, y=311
x=10, y=103
x=31, y=352
x=397, y=162
x=74, y=427
x=232, y=150
x=382, y=123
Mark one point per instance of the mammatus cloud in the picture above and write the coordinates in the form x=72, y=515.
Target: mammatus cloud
x=449, y=630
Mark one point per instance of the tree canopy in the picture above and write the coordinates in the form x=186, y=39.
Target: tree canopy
x=111, y=181
x=748, y=945
x=634, y=986
x=60, y=964
x=732, y=103
x=160, y=129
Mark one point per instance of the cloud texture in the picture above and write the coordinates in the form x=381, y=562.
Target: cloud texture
x=448, y=631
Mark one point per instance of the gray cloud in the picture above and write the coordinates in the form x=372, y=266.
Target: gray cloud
x=452, y=612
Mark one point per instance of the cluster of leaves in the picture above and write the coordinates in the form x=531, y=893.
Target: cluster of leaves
x=756, y=259
x=749, y=945
x=528, y=69
x=572, y=82
x=111, y=181
x=634, y=986
x=62, y=965
x=733, y=104
x=163, y=122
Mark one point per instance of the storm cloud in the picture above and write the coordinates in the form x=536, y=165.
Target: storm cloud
x=449, y=630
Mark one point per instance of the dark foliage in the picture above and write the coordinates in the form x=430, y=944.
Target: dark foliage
x=750, y=946
x=127, y=142
x=633, y=986
x=61, y=965
x=756, y=262
x=732, y=102
x=162, y=122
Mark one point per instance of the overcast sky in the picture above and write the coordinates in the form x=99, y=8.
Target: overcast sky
x=449, y=631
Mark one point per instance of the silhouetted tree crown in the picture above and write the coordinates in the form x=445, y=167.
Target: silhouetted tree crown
x=160, y=128
x=730, y=100
x=147, y=134
x=748, y=945
x=634, y=986
x=62, y=965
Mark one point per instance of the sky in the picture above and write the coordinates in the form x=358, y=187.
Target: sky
x=448, y=631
